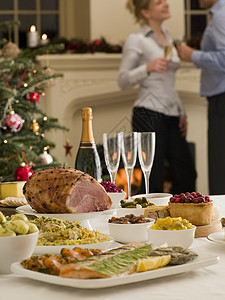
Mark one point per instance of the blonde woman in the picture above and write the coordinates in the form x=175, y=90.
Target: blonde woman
x=158, y=107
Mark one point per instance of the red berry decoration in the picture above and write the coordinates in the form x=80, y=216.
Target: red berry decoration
x=189, y=198
x=23, y=173
x=110, y=187
x=13, y=122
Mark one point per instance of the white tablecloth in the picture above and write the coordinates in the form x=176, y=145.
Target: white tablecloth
x=206, y=283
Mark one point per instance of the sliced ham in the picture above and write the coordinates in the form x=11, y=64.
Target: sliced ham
x=65, y=190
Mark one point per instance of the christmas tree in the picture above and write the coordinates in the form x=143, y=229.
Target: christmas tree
x=24, y=147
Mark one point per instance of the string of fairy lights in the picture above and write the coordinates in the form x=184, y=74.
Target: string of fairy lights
x=22, y=136
x=12, y=122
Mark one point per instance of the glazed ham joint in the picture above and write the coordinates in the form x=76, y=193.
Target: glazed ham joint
x=65, y=190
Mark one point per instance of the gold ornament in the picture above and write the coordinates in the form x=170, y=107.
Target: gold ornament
x=10, y=50
x=34, y=126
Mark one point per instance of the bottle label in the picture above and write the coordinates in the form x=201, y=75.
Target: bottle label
x=86, y=145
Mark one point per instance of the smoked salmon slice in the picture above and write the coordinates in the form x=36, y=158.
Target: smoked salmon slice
x=121, y=261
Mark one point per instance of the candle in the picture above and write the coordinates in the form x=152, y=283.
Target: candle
x=32, y=37
x=44, y=40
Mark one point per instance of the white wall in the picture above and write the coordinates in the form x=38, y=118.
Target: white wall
x=176, y=22
x=111, y=19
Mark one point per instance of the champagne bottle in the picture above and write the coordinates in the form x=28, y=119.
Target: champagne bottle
x=87, y=159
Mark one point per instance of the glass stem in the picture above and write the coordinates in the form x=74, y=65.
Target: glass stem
x=129, y=174
x=147, y=176
x=113, y=176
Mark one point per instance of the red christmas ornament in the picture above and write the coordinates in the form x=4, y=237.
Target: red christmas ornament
x=23, y=173
x=13, y=122
x=32, y=97
x=68, y=148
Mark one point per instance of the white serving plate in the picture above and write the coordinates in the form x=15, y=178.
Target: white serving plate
x=82, y=218
x=217, y=237
x=203, y=260
x=40, y=250
x=77, y=217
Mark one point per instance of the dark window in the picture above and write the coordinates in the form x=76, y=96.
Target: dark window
x=49, y=5
x=50, y=25
x=196, y=20
x=27, y=4
x=191, y=4
x=194, y=4
x=198, y=24
x=4, y=18
x=6, y=5
x=4, y=34
x=44, y=14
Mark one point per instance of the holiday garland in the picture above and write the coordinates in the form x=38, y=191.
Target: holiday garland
x=83, y=46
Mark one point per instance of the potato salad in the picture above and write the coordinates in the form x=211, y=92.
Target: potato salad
x=17, y=224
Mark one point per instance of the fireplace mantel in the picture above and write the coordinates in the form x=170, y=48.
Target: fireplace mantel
x=91, y=80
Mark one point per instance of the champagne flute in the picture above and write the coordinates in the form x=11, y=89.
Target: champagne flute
x=129, y=155
x=146, y=153
x=111, y=145
x=168, y=51
x=180, y=41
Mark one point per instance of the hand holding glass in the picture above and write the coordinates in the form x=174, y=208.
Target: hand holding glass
x=111, y=145
x=146, y=153
x=129, y=155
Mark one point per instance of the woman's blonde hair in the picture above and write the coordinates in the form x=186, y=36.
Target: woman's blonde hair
x=135, y=7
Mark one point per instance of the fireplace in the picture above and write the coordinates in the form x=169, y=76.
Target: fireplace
x=91, y=80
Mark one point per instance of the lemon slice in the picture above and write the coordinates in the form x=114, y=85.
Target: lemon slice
x=165, y=260
x=152, y=262
x=149, y=263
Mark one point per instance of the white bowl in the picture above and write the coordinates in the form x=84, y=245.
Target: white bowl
x=116, y=198
x=184, y=238
x=127, y=233
x=15, y=248
x=158, y=199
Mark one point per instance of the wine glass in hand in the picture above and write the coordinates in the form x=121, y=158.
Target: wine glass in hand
x=111, y=145
x=146, y=153
x=129, y=155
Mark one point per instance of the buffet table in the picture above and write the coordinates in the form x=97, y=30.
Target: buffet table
x=204, y=283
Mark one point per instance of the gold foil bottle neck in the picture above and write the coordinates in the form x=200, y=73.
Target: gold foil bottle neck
x=87, y=131
x=86, y=113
